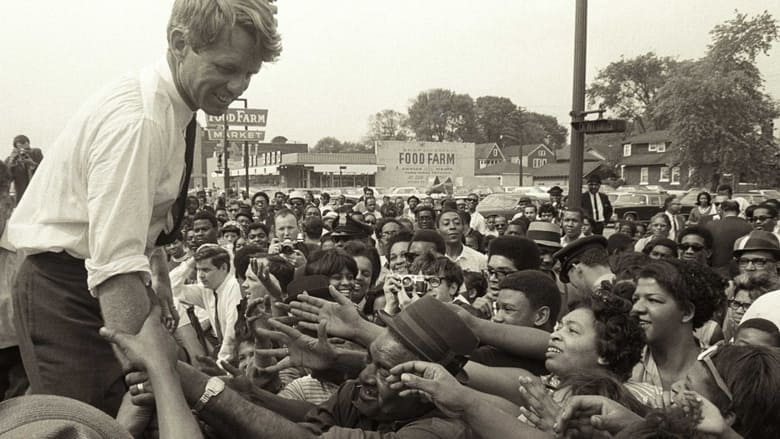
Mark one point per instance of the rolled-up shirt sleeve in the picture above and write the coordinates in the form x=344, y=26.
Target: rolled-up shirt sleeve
x=123, y=168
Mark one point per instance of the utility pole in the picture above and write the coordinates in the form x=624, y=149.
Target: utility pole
x=578, y=104
x=226, y=157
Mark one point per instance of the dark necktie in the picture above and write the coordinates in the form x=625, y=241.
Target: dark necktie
x=179, y=205
x=217, y=325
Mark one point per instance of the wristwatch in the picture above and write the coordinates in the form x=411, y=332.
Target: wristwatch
x=214, y=386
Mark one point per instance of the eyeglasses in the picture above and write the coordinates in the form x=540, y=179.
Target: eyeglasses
x=232, y=210
x=433, y=281
x=695, y=247
x=499, y=274
x=706, y=358
x=757, y=262
x=760, y=219
x=410, y=256
x=737, y=305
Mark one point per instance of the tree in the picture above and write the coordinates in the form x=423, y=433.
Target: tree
x=333, y=145
x=542, y=128
x=279, y=139
x=441, y=115
x=720, y=116
x=495, y=118
x=628, y=89
x=388, y=125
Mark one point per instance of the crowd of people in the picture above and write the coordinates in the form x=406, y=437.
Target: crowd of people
x=133, y=307
x=303, y=315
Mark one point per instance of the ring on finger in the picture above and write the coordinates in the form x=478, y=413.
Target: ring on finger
x=140, y=387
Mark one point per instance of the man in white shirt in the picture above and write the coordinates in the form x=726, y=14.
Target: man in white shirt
x=100, y=206
x=572, y=225
x=477, y=220
x=217, y=291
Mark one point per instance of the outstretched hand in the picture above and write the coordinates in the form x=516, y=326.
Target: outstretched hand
x=342, y=316
x=259, y=267
x=301, y=350
x=152, y=348
x=540, y=410
x=432, y=382
x=601, y=412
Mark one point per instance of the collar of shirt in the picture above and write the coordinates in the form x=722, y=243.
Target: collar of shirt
x=182, y=112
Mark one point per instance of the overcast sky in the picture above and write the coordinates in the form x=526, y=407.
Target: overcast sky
x=344, y=60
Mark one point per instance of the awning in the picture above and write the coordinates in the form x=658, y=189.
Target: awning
x=253, y=170
x=345, y=169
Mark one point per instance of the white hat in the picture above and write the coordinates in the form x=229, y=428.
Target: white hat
x=767, y=307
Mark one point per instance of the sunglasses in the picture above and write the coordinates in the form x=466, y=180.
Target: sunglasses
x=694, y=247
x=706, y=358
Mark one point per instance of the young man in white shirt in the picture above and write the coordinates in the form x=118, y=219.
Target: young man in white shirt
x=94, y=217
x=217, y=291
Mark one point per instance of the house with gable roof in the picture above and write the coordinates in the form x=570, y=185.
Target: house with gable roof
x=651, y=158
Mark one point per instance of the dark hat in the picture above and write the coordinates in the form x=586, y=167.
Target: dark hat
x=555, y=190
x=594, y=179
x=346, y=226
x=433, y=331
x=245, y=212
x=52, y=416
x=524, y=199
x=568, y=255
x=232, y=227
x=544, y=234
x=757, y=240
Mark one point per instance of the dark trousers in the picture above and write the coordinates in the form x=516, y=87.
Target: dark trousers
x=13, y=380
x=598, y=228
x=57, y=323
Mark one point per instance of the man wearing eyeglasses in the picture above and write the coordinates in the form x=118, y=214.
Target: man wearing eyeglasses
x=765, y=218
x=477, y=220
x=758, y=251
x=694, y=244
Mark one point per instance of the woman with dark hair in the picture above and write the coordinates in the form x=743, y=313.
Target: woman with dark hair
x=659, y=228
x=661, y=248
x=368, y=268
x=703, y=211
x=593, y=351
x=627, y=227
x=599, y=337
x=672, y=299
x=338, y=266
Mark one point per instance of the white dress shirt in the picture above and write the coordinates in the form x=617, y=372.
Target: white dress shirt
x=105, y=189
x=478, y=223
x=470, y=260
x=222, y=308
x=598, y=207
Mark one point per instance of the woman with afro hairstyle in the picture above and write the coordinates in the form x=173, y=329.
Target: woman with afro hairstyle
x=671, y=300
x=599, y=338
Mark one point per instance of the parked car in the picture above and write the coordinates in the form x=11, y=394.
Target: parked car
x=768, y=193
x=637, y=206
x=751, y=197
x=503, y=203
